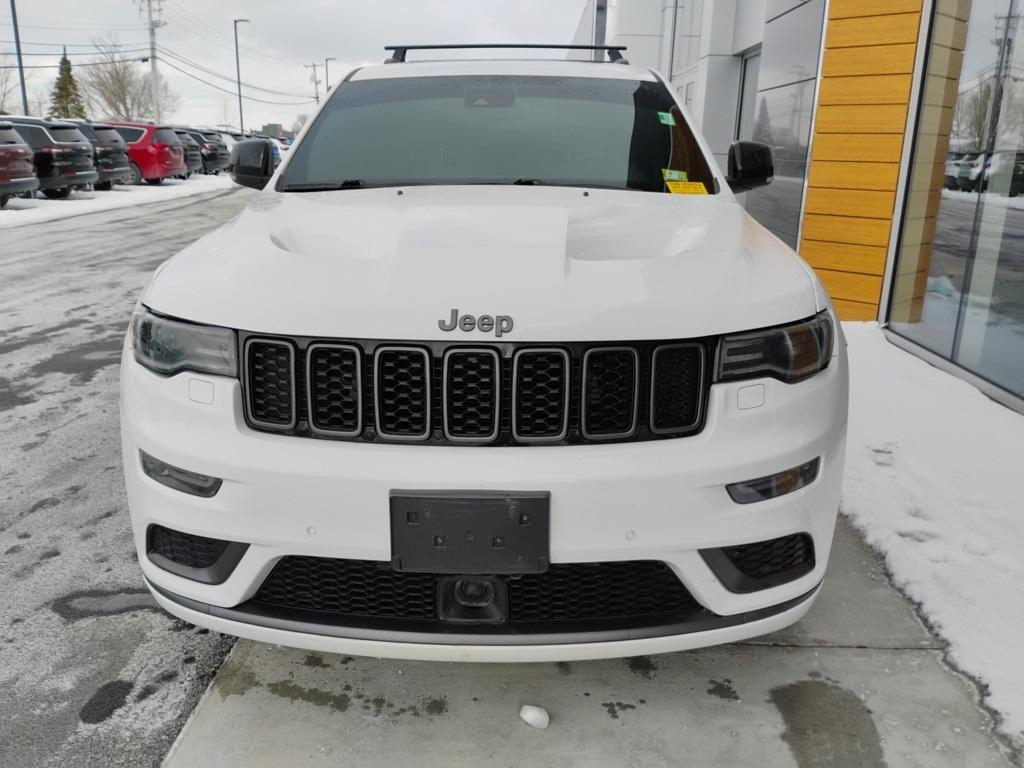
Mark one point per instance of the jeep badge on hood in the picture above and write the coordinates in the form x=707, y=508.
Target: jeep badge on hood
x=500, y=324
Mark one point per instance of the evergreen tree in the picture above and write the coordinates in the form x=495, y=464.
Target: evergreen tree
x=66, y=100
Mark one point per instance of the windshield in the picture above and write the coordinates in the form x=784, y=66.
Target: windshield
x=573, y=131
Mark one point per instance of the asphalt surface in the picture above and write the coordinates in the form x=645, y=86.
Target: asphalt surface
x=91, y=673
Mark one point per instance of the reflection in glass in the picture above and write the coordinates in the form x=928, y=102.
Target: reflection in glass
x=959, y=288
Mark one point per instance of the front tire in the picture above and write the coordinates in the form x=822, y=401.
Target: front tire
x=4, y=199
x=154, y=182
x=136, y=176
x=58, y=194
x=103, y=186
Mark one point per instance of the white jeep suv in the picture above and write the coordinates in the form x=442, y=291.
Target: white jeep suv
x=495, y=368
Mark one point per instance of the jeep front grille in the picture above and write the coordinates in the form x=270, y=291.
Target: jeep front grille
x=495, y=394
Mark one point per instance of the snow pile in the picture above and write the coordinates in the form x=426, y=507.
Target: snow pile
x=935, y=480
x=19, y=211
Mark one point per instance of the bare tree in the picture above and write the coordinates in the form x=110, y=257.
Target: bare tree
x=115, y=86
x=10, y=88
x=300, y=120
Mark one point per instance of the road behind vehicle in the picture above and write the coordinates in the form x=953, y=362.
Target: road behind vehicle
x=110, y=153
x=63, y=157
x=17, y=172
x=154, y=151
x=193, y=152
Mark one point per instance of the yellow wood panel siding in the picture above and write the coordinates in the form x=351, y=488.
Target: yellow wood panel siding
x=865, y=89
x=869, y=60
x=856, y=310
x=846, y=229
x=851, y=286
x=880, y=118
x=872, y=30
x=844, y=9
x=866, y=259
x=839, y=175
x=849, y=147
x=869, y=203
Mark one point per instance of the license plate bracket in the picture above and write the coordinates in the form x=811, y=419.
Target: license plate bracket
x=470, y=532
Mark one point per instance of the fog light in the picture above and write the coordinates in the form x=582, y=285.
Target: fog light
x=179, y=479
x=778, y=484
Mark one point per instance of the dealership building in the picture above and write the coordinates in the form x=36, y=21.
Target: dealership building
x=898, y=133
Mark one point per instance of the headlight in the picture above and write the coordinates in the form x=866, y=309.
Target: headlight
x=788, y=352
x=169, y=346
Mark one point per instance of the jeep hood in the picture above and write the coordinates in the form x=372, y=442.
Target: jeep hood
x=565, y=264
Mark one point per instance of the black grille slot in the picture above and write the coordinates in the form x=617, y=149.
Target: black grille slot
x=610, y=379
x=270, y=367
x=471, y=402
x=677, y=388
x=334, y=380
x=771, y=558
x=617, y=592
x=402, y=392
x=541, y=394
x=185, y=548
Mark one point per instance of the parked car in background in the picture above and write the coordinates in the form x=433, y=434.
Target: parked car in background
x=110, y=153
x=952, y=170
x=63, y=157
x=1004, y=173
x=154, y=151
x=193, y=152
x=969, y=171
x=17, y=173
x=216, y=155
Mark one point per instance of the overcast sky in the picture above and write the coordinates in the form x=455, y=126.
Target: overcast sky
x=282, y=36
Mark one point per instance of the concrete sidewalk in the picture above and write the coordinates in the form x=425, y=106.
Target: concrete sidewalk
x=859, y=683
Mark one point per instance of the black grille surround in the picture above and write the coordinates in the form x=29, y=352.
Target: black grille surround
x=760, y=565
x=568, y=597
x=374, y=390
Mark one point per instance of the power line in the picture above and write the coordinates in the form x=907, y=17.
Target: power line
x=205, y=29
x=225, y=90
x=83, y=64
x=70, y=45
x=76, y=53
x=66, y=28
x=188, y=62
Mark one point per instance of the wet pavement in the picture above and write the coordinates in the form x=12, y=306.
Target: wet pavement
x=859, y=683
x=91, y=672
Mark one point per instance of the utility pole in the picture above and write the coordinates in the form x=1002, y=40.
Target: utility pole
x=153, y=21
x=316, y=82
x=238, y=77
x=17, y=49
x=327, y=75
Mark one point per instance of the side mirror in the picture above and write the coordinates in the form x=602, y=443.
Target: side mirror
x=252, y=163
x=750, y=165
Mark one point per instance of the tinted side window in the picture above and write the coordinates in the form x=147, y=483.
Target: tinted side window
x=33, y=134
x=166, y=136
x=66, y=134
x=108, y=136
x=10, y=136
x=131, y=135
x=87, y=131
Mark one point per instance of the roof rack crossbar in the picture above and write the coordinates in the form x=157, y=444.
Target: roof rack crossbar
x=398, y=51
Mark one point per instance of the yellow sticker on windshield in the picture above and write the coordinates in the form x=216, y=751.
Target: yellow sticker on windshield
x=686, y=187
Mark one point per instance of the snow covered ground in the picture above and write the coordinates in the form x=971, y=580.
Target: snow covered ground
x=19, y=211
x=935, y=480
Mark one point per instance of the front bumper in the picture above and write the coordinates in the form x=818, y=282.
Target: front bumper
x=661, y=500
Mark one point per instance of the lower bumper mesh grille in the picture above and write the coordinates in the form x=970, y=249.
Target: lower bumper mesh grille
x=768, y=558
x=185, y=548
x=567, y=597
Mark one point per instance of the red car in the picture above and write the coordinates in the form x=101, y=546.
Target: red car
x=155, y=151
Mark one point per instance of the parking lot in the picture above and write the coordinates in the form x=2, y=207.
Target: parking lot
x=93, y=674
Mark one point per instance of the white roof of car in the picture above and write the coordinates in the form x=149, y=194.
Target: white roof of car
x=539, y=67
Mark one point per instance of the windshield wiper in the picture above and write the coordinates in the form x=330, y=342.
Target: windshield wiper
x=533, y=182
x=324, y=185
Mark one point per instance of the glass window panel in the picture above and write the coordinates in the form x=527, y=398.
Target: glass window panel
x=748, y=97
x=959, y=283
